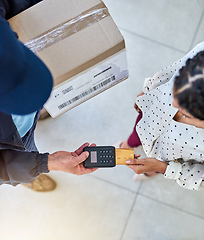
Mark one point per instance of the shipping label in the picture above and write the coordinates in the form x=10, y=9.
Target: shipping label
x=88, y=84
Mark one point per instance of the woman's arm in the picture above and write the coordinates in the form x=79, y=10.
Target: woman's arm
x=189, y=174
x=145, y=165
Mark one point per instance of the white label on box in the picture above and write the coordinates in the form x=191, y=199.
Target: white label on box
x=88, y=84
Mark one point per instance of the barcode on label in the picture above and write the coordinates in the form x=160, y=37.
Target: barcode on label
x=85, y=93
x=67, y=90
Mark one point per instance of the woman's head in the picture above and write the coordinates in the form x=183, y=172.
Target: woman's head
x=189, y=86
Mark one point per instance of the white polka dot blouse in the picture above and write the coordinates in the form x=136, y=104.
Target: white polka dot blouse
x=179, y=144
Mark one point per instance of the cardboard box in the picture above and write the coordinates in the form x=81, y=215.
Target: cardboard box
x=81, y=45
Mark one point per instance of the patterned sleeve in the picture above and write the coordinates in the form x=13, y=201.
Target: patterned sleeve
x=167, y=73
x=189, y=174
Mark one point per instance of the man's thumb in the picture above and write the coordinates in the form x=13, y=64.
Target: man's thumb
x=81, y=158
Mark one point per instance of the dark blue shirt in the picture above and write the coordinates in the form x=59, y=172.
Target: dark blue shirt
x=9, y=8
x=20, y=162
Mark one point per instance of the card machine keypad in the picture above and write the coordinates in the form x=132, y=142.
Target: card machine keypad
x=103, y=156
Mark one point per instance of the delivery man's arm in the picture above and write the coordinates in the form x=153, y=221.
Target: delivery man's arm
x=18, y=167
x=21, y=167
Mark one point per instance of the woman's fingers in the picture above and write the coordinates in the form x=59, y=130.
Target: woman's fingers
x=134, y=162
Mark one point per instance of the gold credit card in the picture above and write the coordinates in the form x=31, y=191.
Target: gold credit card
x=123, y=154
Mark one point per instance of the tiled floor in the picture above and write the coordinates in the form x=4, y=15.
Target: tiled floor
x=108, y=205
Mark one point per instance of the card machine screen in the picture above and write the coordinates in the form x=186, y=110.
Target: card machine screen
x=93, y=157
x=103, y=156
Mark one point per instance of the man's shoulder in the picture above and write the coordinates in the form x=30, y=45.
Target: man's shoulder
x=9, y=8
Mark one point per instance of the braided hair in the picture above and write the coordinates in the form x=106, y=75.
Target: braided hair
x=189, y=86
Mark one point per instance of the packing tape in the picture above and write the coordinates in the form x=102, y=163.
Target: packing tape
x=66, y=29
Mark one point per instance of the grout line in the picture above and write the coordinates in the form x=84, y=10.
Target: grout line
x=151, y=40
x=196, y=31
x=169, y=205
x=130, y=212
x=116, y=185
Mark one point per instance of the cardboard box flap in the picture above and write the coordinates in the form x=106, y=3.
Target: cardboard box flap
x=67, y=28
x=85, y=51
x=46, y=15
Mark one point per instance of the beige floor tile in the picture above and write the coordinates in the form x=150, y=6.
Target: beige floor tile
x=151, y=220
x=120, y=175
x=168, y=191
x=200, y=34
x=81, y=208
x=164, y=21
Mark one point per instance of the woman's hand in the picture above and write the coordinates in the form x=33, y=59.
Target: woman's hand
x=136, y=106
x=145, y=165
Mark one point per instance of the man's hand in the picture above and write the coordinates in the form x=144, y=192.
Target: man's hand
x=145, y=165
x=70, y=162
x=136, y=106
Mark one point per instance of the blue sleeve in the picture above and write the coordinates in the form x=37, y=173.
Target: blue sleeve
x=9, y=8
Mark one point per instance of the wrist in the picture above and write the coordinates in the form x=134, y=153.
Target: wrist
x=50, y=162
x=42, y=162
x=162, y=168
